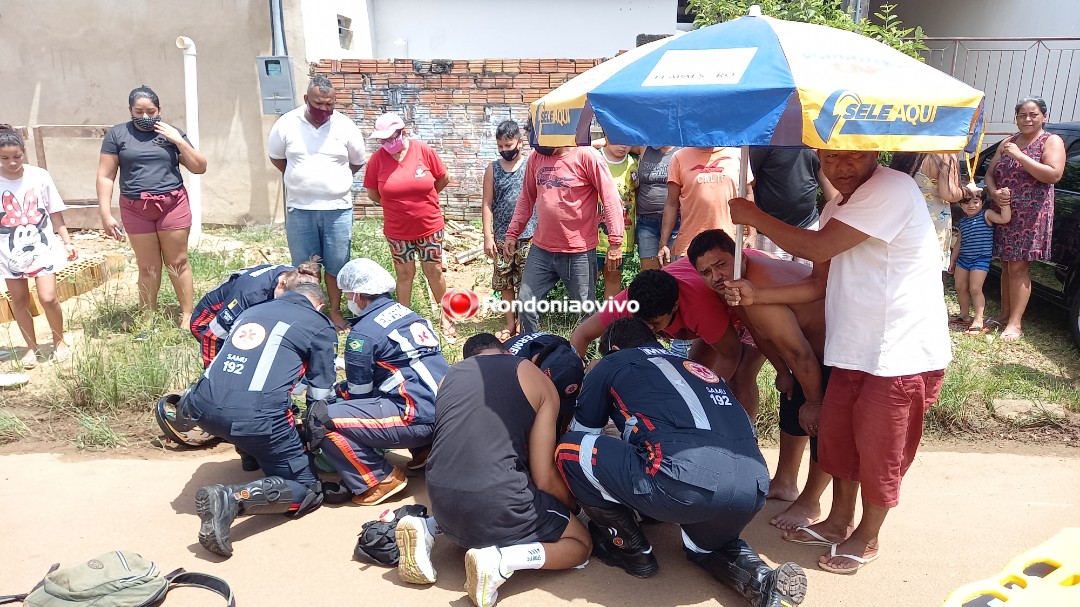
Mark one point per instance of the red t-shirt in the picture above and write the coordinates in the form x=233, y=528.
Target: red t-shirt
x=406, y=189
x=564, y=191
x=702, y=312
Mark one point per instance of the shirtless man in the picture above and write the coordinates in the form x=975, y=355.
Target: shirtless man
x=792, y=336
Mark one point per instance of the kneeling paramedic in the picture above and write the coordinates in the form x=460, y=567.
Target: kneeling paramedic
x=688, y=456
x=393, y=366
x=244, y=397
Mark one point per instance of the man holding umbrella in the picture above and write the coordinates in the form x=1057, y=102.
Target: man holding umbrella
x=877, y=262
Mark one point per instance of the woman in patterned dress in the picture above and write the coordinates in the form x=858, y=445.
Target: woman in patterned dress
x=1023, y=173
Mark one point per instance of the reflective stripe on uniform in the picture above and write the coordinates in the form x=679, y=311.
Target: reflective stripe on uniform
x=266, y=359
x=360, y=388
x=701, y=420
x=415, y=362
x=585, y=459
x=216, y=328
x=319, y=393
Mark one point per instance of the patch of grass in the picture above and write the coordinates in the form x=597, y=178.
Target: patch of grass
x=11, y=427
x=96, y=433
x=119, y=373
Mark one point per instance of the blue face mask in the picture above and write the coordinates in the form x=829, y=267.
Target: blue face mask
x=146, y=124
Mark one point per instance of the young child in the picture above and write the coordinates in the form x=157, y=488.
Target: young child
x=503, y=179
x=971, y=258
x=30, y=221
x=623, y=166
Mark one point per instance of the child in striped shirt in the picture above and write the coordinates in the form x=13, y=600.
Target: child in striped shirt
x=971, y=258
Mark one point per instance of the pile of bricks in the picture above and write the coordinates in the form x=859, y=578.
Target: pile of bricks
x=452, y=105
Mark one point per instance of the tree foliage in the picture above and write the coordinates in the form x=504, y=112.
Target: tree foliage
x=885, y=27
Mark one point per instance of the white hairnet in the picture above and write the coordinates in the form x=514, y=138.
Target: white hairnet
x=366, y=277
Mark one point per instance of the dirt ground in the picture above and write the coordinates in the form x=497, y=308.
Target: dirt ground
x=962, y=517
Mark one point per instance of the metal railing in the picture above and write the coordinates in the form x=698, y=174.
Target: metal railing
x=1009, y=69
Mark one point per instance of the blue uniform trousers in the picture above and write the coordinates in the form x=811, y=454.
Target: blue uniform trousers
x=362, y=430
x=601, y=470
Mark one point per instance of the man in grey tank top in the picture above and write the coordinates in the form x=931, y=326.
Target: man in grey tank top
x=510, y=511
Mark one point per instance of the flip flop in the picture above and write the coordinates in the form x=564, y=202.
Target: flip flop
x=1012, y=337
x=860, y=562
x=976, y=331
x=819, y=540
x=958, y=320
x=13, y=380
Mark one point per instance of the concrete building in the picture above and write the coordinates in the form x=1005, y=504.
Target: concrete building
x=72, y=62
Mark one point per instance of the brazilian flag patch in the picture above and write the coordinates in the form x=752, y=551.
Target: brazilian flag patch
x=355, y=345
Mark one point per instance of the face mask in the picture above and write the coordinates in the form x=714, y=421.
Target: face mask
x=394, y=145
x=146, y=124
x=319, y=115
x=354, y=307
x=544, y=150
x=509, y=155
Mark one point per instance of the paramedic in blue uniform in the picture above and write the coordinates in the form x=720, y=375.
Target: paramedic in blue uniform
x=556, y=357
x=244, y=397
x=218, y=310
x=393, y=366
x=688, y=456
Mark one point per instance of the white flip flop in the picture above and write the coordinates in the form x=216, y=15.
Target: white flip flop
x=819, y=540
x=13, y=380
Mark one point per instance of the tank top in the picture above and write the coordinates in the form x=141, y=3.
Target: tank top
x=976, y=236
x=482, y=426
x=507, y=190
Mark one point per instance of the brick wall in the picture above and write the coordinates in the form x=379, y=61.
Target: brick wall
x=454, y=106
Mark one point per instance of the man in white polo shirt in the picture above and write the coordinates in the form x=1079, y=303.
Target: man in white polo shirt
x=318, y=150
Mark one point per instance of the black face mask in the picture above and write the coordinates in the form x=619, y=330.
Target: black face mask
x=509, y=155
x=544, y=150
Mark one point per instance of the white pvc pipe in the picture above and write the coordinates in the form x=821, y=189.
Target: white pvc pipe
x=744, y=163
x=191, y=107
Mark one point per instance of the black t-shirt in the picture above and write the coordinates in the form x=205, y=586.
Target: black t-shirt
x=148, y=162
x=786, y=184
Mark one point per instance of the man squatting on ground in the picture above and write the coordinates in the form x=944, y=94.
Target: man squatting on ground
x=244, y=398
x=509, y=510
x=393, y=366
x=793, y=338
x=688, y=456
x=878, y=263
x=676, y=303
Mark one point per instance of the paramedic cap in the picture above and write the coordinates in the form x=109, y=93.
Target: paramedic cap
x=366, y=277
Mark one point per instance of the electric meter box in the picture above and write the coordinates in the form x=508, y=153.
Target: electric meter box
x=276, y=84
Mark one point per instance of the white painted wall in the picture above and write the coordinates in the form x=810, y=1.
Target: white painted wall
x=477, y=29
x=993, y=18
x=321, y=28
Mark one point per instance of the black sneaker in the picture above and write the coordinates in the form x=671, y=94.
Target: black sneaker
x=217, y=509
x=784, y=587
x=638, y=563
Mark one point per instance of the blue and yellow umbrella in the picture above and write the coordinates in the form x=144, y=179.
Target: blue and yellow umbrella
x=759, y=81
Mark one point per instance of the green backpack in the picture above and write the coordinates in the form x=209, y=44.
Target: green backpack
x=114, y=579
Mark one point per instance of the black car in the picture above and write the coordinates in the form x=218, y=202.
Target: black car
x=1058, y=280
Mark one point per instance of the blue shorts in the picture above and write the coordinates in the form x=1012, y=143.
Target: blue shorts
x=326, y=233
x=648, y=236
x=974, y=263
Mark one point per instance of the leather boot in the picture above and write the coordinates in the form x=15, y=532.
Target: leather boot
x=738, y=566
x=618, y=541
x=219, y=505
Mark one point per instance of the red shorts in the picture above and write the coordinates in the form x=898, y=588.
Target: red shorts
x=151, y=213
x=870, y=428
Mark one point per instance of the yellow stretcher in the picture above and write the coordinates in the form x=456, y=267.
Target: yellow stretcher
x=1045, y=576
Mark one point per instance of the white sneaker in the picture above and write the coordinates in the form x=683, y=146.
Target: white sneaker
x=483, y=575
x=414, y=543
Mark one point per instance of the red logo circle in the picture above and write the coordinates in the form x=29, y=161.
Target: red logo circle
x=460, y=304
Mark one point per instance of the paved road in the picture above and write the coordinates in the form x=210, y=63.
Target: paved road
x=962, y=516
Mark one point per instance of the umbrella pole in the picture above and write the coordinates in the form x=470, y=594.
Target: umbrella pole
x=744, y=161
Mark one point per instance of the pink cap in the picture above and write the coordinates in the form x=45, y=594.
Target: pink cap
x=387, y=125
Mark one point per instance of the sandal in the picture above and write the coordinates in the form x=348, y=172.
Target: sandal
x=819, y=540
x=860, y=562
x=974, y=331
x=1012, y=337
x=956, y=319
